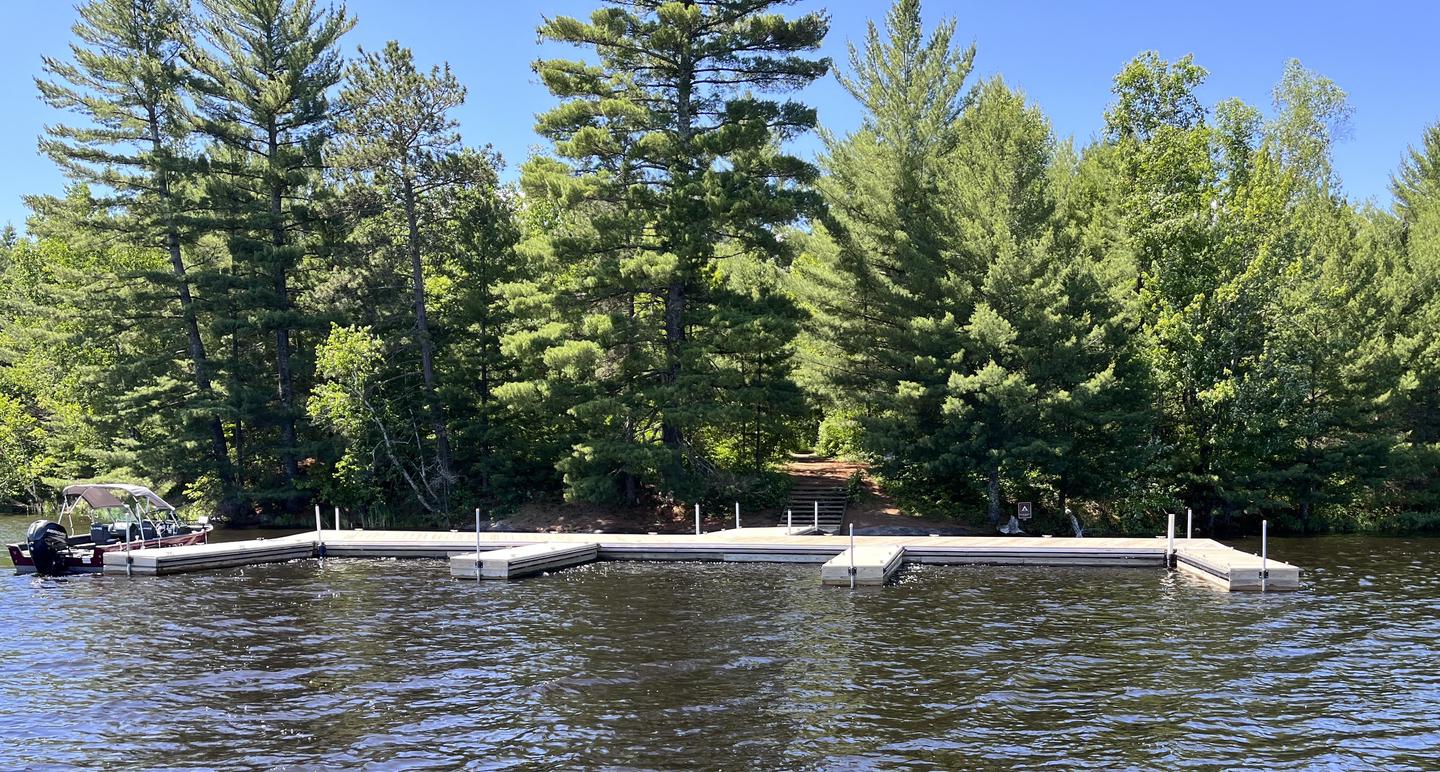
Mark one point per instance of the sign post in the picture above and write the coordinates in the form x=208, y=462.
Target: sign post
x=1024, y=510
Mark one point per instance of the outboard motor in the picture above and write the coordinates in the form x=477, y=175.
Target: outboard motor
x=49, y=547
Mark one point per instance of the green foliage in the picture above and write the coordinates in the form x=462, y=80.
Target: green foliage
x=655, y=322
x=397, y=136
x=261, y=82
x=250, y=295
x=23, y=448
x=840, y=434
x=959, y=325
x=1416, y=184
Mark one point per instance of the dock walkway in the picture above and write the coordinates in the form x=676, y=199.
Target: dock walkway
x=1215, y=563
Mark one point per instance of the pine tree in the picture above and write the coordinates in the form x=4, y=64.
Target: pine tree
x=127, y=81
x=883, y=281
x=396, y=129
x=87, y=349
x=506, y=455
x=1005, y=212
x=1413, y=295
x=667, y=154
x=263, y=94
x=1416, y=184
x=949, y=306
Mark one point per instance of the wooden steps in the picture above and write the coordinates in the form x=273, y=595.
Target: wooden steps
x=869, y=565
x=817, y=504
x=526, y=560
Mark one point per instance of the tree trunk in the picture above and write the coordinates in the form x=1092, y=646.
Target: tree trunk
x=198, y=361
x=670, y=433
x=992, y=486
x=629, y=482
x=282, y=330
x=427, y=354
x=631, y=487
x=236, y=388
x=200, y=365
x=682, y=245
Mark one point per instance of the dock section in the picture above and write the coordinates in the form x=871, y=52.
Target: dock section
x=871, y=564
x=877, y=556
x=527, y=560
x=206, y=557
x=1233, y=570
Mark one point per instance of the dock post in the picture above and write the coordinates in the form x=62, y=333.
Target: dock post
x=817, y=515
x=789, y=520
x=337, y=518
x=477, y=544
x=319, y=534
x=129, y=561
x=1264, y=553
x=697, y=519
x=737, y=515
x=1170, y=542
x=852, y=556
x=1189, y=521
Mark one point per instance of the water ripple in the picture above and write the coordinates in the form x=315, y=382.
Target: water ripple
x=657, y=666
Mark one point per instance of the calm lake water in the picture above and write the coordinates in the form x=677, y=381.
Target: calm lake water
x=392, y=664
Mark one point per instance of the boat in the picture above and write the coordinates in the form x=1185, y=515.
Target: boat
x=121, y=517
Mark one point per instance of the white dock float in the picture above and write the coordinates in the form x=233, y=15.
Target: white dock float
x=1233, y=570
x=515, y=562
x=204, y=557
x=871, y=564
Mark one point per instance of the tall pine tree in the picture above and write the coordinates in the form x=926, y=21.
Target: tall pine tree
x=667, y=157
x=127, y=81
x=396, y=129
x=263, y=91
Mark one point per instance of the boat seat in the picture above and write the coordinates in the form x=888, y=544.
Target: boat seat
x=100, y=534
x=147, y=531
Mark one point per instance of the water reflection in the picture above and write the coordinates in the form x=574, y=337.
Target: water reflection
x=637, y=665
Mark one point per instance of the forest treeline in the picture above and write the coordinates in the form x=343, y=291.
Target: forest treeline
x=280, y=275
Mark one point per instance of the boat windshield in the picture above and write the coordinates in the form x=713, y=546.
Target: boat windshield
x=115, y=504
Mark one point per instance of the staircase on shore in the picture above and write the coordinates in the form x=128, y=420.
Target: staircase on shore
x=811, y=495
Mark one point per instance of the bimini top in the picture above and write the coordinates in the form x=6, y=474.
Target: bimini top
x=101, y=495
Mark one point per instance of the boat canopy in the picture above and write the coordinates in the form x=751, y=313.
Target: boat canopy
x=104, y=495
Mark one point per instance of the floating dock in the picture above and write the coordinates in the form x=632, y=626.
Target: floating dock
x=875, y=558
x=1233, y=570
x=515, y=562
x=868, y=564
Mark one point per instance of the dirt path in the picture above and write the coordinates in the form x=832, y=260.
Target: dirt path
x=871, y=507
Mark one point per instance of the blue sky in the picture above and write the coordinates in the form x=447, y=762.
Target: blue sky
x=1062, y=54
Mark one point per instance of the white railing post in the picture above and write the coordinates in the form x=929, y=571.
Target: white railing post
x=1264, y=554
x=319, y=533
x=1189, y=521
x=737, y=515
x=1170, y=541
x=789, y=520
x=697, y=519
x=817, y=516
x=337, y=518
x=852, y=556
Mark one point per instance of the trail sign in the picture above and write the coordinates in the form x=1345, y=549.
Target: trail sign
x=1024, y=510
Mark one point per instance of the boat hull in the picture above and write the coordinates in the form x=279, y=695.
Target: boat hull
x=86, y=558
